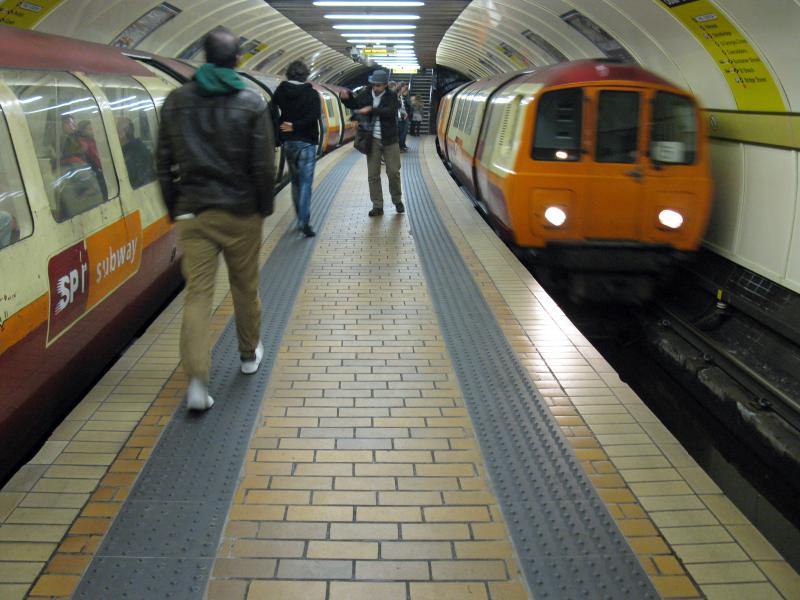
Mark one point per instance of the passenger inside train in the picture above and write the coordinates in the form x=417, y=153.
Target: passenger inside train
x=138, y=158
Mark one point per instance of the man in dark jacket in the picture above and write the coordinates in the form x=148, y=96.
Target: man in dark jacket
x=300, y=112
x=381, y=107
x=215, y=163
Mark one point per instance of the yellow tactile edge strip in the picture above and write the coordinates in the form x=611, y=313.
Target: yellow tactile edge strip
x=671, y=512
x=55, y=512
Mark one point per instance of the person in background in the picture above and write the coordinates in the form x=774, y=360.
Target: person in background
x=216, y=168
x=301, y=109
x=138, y=159
x=380, y=105
x=416, y=116
x=405, y=115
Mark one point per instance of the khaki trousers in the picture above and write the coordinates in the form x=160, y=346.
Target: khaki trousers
x=201, y=239
x=391, y=156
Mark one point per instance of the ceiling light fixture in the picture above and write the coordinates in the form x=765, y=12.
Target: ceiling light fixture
x=380, y=35
x=372, y=17
x=374, y=26
x=367, y=3
x=380, y=41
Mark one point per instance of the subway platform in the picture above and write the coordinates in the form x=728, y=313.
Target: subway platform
x=426, y=424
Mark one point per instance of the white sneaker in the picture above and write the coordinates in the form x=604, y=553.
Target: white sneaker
x=197, y=397
x=251, y=366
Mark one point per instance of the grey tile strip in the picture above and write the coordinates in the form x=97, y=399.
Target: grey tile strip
x=164, y=540
x=567, y=542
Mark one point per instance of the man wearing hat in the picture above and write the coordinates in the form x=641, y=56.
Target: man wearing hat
x=380, y=106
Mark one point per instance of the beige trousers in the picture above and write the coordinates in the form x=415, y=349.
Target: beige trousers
x=391, y=156
x=201, y=239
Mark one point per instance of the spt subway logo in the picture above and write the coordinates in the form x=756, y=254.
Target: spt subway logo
x=86, y=273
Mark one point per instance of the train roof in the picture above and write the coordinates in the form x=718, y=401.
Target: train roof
x=21, y=49
x=592, y=71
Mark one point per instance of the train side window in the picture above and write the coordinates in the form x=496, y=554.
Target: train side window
x=69, y=139
x=558, y=126
x=674, y=131
x=617, y=127
x=137, y=125
x=15, y=214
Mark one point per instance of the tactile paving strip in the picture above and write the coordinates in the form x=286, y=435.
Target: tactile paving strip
x=164, y=540
x=567, y=542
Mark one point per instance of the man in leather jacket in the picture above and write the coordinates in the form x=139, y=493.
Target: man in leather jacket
x=215, y=162
x=381, y=106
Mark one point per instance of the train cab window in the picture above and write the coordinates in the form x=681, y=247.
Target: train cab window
x=69, y=139
x=674, y=130
x=137, y=125
x=15, y=214
x=617, y=127
x=558, y=126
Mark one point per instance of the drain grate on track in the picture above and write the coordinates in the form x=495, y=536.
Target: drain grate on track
x=163, y=542
x=567, y=542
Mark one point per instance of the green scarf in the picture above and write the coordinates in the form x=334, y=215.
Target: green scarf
x=214, y=81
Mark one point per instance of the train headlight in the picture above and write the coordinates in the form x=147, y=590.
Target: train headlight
x=671, y=219
x=555, y=216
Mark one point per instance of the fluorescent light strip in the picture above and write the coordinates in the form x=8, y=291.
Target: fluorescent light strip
x=371, y=27
x=370, y=41
x=373, y=17
x=367, y=3
x=380, y=35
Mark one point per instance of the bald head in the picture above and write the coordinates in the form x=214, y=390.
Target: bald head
x=222, y=48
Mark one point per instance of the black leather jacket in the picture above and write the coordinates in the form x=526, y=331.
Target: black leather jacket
x=216, y=152
x=387, y=111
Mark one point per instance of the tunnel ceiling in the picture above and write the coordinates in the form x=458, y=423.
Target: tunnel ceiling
x=436, y=16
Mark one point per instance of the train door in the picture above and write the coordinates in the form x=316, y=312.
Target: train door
x=615, y=190
x=677, y=180
x=92, y=246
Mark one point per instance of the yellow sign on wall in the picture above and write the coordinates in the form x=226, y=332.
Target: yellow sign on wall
x=25, y=15
x=748, y=77
x=379, y=51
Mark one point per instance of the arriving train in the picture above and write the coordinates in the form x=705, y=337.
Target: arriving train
x=599, y=169
x=87, y=252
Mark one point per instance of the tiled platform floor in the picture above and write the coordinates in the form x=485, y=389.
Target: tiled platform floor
x=363, y=479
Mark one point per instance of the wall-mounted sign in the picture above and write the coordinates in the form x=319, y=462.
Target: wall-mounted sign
x=250, y=49
x=513, y=55
x=134, y=33
x=597, y=35
x=197, y=45
x=25, y=15
x=748, y=77
x=270, y=59
x=544, y=45
x=404, y=70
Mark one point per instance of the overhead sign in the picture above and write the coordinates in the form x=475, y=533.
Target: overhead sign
x=25, y=15
x=404, y=70
x=379, y=51
x=748, y=77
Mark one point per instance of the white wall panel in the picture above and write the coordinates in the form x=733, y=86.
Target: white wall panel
x=793, y=263
x=767, y=220
x=727, y=167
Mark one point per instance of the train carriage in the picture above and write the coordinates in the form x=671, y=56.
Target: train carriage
x=601, y=169
x=87, y=252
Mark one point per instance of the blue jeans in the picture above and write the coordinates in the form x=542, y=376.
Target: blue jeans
x=402, y=132
x=301, y=158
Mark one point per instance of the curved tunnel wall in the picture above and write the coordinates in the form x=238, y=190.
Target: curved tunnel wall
x=756, y=136
x=755, y=128
x=276, y=41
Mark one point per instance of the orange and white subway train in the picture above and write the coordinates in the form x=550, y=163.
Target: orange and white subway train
x=600, y=169
x=87, y=253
